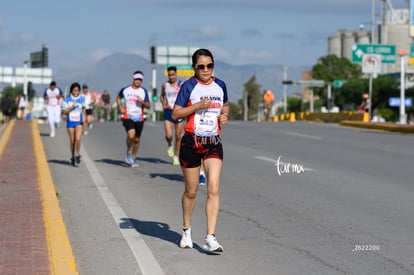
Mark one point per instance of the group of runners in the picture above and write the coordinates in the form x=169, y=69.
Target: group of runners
x=200, y=102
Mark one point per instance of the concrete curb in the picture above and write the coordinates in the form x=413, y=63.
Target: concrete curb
x=60, y=251
x=390, y=127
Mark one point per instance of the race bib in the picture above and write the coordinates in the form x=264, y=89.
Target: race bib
x=134, y=111
x=205, y=123
x=75, y=115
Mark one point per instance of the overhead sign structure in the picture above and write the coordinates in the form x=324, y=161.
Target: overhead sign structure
x=396, y=101
x=180, y=55
x=36, y=76
x=306, y=83
x=310, y=83
x=182, y=70
x=371, y=63
x=6, y=74
x=388, y=52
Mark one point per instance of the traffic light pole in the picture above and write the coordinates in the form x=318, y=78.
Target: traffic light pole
x=154, y=93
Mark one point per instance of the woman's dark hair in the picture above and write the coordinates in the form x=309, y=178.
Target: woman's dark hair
x=199, y=53
x=74, y=85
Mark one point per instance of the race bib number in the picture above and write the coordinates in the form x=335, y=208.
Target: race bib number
x=75, y=116
x=205, y=123
x=134, y=111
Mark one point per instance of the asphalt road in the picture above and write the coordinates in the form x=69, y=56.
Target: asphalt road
x=296, y=198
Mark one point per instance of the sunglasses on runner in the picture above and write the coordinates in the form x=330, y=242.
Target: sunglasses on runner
x=203, y=66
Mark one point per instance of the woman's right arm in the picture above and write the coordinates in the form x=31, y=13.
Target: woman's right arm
x=182, y=112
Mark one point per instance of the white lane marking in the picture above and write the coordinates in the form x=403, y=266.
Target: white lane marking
x=280, y=162
x=143, y=255
x=303, y=135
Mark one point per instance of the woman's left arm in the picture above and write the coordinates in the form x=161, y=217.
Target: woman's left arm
x=224, y=114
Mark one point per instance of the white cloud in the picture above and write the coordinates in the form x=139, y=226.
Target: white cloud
x=254, y=55
x=205, y=33
x=251, y=33
x=7, y=39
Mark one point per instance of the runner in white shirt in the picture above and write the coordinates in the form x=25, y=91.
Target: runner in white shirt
x=131, y=102
x=203, y=101
x=53, y=97
x=169, y=92
x=89, y=102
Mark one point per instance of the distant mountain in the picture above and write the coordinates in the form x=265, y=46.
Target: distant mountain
x=115, y=71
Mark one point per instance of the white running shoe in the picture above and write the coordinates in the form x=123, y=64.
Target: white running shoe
x=176, y=161
x=186, y=241
x=170, y=151
x=135, y=164
x=211, y=244
x=52, y=135
x=129, y=159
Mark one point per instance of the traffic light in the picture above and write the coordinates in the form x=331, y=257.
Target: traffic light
x=45, y=56
x=152, y=50
x=154, y=94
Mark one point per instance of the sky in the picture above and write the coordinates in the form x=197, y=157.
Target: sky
x=81, y=32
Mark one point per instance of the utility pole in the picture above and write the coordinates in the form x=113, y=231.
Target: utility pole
x=403, y=115
x=245, y=109
x=284, y=90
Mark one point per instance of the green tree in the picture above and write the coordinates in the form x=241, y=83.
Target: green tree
x=349, y=96
x=294, y=104
x=330, y=68
x=12, y=94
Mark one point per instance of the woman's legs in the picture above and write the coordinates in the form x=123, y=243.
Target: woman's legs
x=190, y=193
x=212, y=168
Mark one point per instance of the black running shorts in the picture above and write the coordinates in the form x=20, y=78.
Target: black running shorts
x=193, y=149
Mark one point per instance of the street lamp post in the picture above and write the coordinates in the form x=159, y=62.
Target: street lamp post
x=403, y=115
x=25, y=78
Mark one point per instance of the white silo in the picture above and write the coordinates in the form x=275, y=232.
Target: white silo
x=334, y=44
x=348, y=40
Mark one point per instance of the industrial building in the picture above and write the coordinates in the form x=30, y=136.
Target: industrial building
x=393, y=28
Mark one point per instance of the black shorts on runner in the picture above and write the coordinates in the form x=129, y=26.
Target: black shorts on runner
x=89, y=112
x=193, y=149
x=137, y=125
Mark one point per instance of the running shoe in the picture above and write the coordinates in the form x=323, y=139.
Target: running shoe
x=77, y=159
x=211, y=244
x=135, y=164
x=170, y=151
x=202, y=179
x=72, y=162
x=176, y=161
x=90, y=126
x=129, y=159
x=186, y=241
x=52, y=134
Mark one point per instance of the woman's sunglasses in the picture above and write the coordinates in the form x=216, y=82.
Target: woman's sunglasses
x=203, y=67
